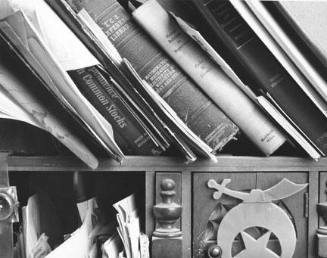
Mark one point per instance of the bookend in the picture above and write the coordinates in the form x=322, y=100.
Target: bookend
x=8, y=210
x=167, y=238
x=256, y=211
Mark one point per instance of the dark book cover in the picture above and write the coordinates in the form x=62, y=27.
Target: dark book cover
x=202, y=116
x=128, y=133
x=65, y=12
x=306, y=33
x=255, y=64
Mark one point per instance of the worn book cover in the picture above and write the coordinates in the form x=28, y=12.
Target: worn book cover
x=258, y=67
x=179, y=91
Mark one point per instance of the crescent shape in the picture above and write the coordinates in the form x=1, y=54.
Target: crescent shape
x=265, y=215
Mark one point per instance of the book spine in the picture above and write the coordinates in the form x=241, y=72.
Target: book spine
x=200, y=114
x=186, y=53
x=259, y=68
x=128, y=133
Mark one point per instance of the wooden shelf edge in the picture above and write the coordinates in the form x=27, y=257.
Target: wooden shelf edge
x=150, y=163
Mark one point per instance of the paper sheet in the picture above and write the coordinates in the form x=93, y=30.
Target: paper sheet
x=79, y=244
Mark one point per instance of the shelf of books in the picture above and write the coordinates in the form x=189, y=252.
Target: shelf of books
x=176, y=96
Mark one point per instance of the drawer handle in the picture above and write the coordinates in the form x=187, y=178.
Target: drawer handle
x=214, y=251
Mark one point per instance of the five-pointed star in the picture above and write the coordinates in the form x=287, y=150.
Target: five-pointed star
x=256, y=248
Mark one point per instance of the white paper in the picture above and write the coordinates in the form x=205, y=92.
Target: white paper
x=100, y=37
x=79, y=244
x=73, y=57
x=112, y=247
x=13, y=110
x=129, y=225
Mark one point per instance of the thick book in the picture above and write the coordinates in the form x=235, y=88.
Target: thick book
x=164, y=29
x=127, y=83
x=258, y=68
x=266, y=106
x=90, y=79
x=200, y=114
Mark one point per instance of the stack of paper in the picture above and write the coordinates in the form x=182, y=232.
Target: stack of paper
x=129, y=228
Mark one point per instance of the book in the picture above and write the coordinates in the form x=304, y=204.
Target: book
x=258, y=68
x=201, y=115
x=280, y=54
x=305, y=22
x=289, y=46
x=29, y=45
x=177, y=131
x=265, y=105
x=163, y=28
x=41, y=114
x=103, y=50
x=128, y=132
x=293, y=131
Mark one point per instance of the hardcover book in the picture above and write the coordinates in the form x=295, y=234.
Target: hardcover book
x=163, y=28
x=90, y=79
x=128, y=82
x=29, y=45
x=258, y=68
x=198, y=112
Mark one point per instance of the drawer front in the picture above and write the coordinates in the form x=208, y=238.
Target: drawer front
x=208, y=214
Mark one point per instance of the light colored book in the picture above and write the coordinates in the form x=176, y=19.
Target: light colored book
x=274, y=113
x=209, y=77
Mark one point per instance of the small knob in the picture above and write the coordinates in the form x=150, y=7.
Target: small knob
x=214, y=251
x=7, y=206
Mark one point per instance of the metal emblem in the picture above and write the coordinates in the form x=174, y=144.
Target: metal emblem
x=8, y=204
x=257, y=210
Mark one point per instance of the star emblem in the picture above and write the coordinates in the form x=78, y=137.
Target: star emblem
x=256, y=248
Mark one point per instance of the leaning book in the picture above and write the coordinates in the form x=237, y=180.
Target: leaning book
x=29, y=46
x=259, y=69
x=31, y=98
x=129, y=131
x=163, y=28
x=192, y=106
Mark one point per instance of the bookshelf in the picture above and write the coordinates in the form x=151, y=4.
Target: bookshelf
x=169, y=183
x=196, y=198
